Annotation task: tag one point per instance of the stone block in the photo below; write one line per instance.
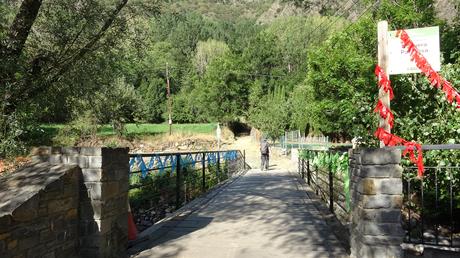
(95, 162)
(12, 244)
(104, 225)
(71, 214)
(83, 162)
(39, 159)
(2, 246)
(380, 201)
(55, 159)
(70, 150)
(47, 236)
(72, 159)
(90, 151)
(380, 156)
(89, 252)
(28, 243)
(372, 251)
(4, 236)
(372, 186)
(123, 187)
(103, 190)
(97, 209)
(380, 229)
(92, 174)
(393, 170)
(380, 215)
(396, 201)
(58, 224)
(115, 173)
(92, 241)
(27, 211)
(110, 190)
(61, 205)
(94, 190)
(68, 252)
(5, 222)
(41, 151)
(88, 227)
(390, 186)
(382, 240)
(376, 201)
(87, 211)
(43, 211)
(367, 186)
(71, 191)
(56, 150)
(49, 255)
(122, 222)
(55, 187)
(36, 252)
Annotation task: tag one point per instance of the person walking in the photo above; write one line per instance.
(264, 152)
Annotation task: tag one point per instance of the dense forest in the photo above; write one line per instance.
(275, 65)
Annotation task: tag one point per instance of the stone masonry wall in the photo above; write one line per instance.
(103, 204)
(39, 212)
(376, 200)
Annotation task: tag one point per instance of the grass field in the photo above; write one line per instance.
(152, 129)
(141, 129)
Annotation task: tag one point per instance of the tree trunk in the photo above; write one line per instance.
(20, 29)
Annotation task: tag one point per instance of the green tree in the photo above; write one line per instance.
(206, 52)
(223, 91)
(272, 115)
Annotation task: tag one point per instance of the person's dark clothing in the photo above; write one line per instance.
(264, 151)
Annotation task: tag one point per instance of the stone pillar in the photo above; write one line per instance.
(103, 209)
(376, 200)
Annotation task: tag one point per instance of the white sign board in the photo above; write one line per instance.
(427, 42)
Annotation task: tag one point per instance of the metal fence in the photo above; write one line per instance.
(294, 139)
(431, 204)
(326, 172)
(163, 182)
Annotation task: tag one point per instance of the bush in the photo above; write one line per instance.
(11, 128)
(83, 127)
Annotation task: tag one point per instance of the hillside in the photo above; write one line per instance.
(265, 11)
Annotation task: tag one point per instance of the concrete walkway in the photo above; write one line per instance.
(261, 214)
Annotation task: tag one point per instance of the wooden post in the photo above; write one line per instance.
(169, 99)
(382, 30)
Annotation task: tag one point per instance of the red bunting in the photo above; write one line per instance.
(384, 112)
(384, 82)
(410, 147)
(435, 79)
(390, 139)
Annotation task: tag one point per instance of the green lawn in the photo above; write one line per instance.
(142, 129)
(153, 129)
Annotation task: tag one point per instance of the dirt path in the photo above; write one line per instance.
(277, 160)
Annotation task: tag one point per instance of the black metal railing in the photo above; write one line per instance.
(163, 182)
(431, 204)
(326, 172)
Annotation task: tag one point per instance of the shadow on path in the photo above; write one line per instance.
(262, 214)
